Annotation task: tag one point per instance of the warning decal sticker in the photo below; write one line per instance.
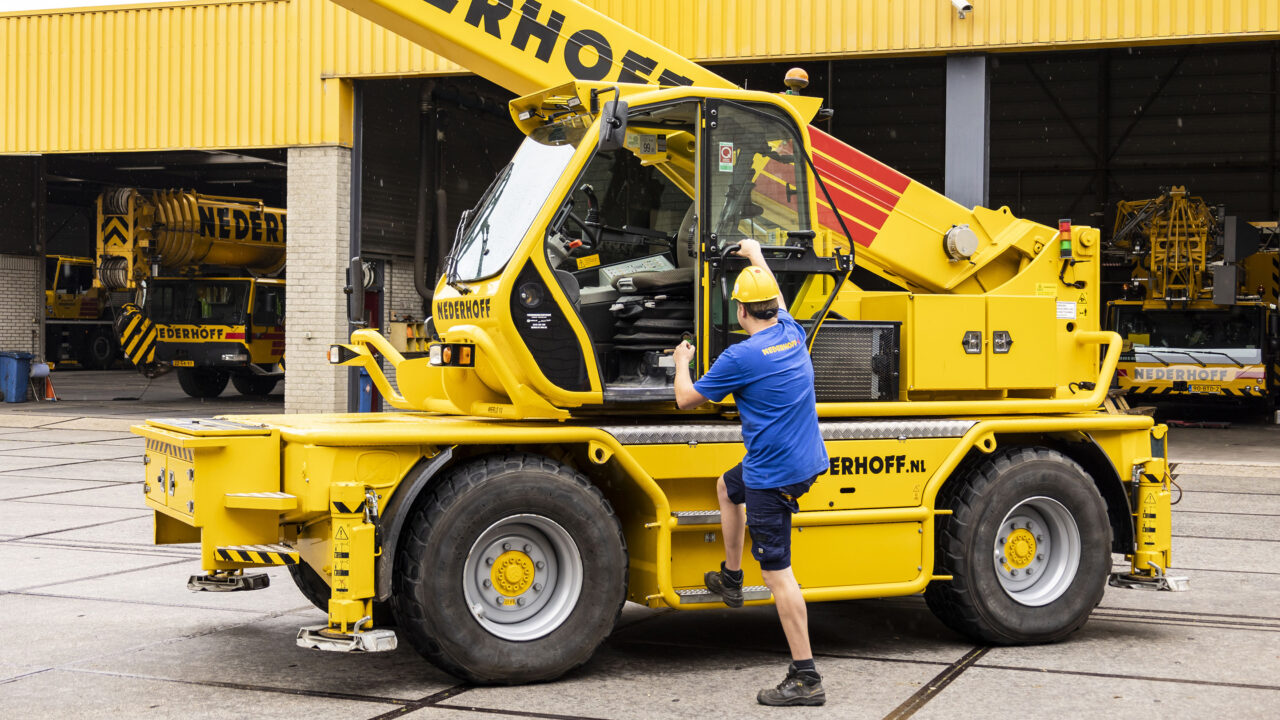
(726, 157)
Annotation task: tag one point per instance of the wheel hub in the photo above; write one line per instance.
(1020, 548)
(1037, 551)
(512, 573)
(522, 577)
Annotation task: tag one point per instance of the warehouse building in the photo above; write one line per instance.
(1055, 108)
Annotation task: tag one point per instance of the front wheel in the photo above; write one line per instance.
(254, 385)
(203, 382)
(1028, 545)
(514, 570)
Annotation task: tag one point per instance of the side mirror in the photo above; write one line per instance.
(613, 126)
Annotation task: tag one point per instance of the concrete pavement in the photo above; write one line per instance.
(100, 623)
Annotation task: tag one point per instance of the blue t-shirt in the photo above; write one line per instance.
(771, 379)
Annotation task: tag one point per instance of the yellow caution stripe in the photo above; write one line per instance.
(137, 336)
(171, 450)
(258, 554)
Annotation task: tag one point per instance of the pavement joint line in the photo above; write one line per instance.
(138, 549)
(771, 651)
(1125, 676)
(1227, 624)
(71, 529)
(1231, 492)
(930, 690)
(1140, 620)
(1221, 570)
(516, 713)
(100, 575)
(431, 700)
(146, 603)
(1202, 614)
(21, 498)
(1212, 512)
(16, 678)
(54, 465)
(244, 686)
(75, 504)
(1235, 539)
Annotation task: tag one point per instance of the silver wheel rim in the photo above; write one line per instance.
(1037, 551)
(522, 577)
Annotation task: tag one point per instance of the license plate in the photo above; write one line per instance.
(1206, 388)
(184, 363)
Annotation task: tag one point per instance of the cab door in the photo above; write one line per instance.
(755, 184)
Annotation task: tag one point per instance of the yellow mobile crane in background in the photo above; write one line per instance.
(1198, 313)
(77, 314)
(206, 301)
(539, 474)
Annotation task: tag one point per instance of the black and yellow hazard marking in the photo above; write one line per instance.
(258, 554)
(342, 509)
(114, 229)
(170, 449)
(137, 336)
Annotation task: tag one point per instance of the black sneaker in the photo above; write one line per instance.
(721, 584)
(800, 687)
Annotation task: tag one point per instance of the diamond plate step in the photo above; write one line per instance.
(276, 501)
(697, 517)
(697, 596)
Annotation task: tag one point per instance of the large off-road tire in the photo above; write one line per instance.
(316, 591)
(247, 384)
(513, 570)
(100, 349)
(311, 585)
(203, 382)
(1028, 545)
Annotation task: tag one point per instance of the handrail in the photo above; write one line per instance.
(366, 360)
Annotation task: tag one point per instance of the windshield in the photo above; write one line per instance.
(1207, 335)
(507, 209)
(198, 302)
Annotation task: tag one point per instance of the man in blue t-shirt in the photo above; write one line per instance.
(771, 379)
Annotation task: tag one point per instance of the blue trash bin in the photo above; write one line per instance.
(15, 372)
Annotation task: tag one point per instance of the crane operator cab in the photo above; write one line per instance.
(640, 231)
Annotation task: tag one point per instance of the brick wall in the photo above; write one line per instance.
(319, 202)
(399, 297)
(22, 298)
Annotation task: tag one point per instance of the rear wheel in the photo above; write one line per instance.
(99, 350)
(203, 382)
(316, 591)
(513, 570)
(247, 384)
(1028, 545)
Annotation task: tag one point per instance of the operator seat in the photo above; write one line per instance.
(654, 310)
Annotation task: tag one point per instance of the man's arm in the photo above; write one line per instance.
(750, 249)
(686, 397)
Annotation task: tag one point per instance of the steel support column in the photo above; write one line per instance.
(355, 268)
(968, 134)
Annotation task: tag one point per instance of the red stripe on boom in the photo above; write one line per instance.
(854, 206)
(862, 234)
(838, 176)
(859, 161)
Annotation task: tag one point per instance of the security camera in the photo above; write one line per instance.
(962, 7)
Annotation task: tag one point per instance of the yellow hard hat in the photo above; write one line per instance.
(755, 285)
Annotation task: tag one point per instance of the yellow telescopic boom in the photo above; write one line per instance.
(895, 223)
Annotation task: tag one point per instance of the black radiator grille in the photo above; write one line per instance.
(855, 360)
